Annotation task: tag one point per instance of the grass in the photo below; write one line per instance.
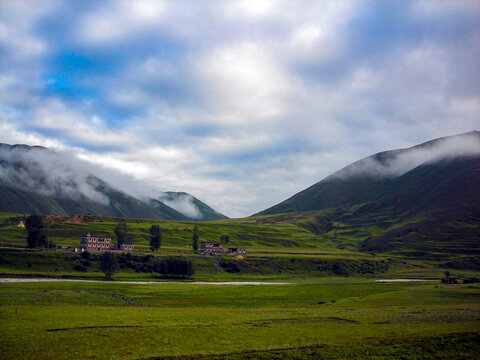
(332, 318)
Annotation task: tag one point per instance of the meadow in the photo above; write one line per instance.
(330, 318)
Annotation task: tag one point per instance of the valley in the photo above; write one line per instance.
(357, 266)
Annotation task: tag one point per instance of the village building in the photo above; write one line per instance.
(210, 248)
(124, 247)
(237, 252)
(94, 243)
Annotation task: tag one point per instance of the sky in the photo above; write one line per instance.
(239, 103)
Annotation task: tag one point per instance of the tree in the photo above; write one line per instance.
(155, 237)
(225, 239)
(108, 264)
(121, 233)
(195, 239)
(36, 232)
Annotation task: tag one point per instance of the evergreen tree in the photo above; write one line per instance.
(195, 239)
(155, 237)
(108, 264)
(36, 232)
(121, 233)
(225, 239)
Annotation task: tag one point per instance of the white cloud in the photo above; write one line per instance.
(254, 8)
(120, 19)
(243, 83)
(54, 115)
(16, 29)
(11, 135)
(435, 10)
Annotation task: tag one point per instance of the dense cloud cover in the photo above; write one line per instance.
(240, 103)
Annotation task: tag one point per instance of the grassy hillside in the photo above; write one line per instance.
(281, 246)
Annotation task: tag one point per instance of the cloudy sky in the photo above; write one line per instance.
(240, 103)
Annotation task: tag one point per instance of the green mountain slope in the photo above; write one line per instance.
(429, 207)
(370, 179)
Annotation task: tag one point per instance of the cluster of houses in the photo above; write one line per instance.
(211, 248)
(95, 243)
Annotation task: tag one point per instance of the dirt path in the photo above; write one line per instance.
(403, 280)
(18, 280)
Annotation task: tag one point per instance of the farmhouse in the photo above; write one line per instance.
(237, 252)
(93, 243)
(124, 247)
(210, 248)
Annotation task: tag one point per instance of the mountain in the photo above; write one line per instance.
(387, 175)
(34, 179)
(189, 205)
(426, 197)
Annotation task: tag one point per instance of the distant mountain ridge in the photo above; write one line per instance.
(35, 179)
(189, 205)
(377, 175)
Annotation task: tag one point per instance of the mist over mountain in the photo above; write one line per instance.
(34, 179)
(190, 206)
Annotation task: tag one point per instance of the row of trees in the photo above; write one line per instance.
(172, 266)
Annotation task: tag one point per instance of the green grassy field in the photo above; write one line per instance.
(331, 318)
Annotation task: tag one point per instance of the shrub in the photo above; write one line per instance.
(449, 280)
(229, 266)
(339, 269)
(131, 265)
(144, 268)
(174, 266)
(86, 255)
(80, 267)
(86, 263)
